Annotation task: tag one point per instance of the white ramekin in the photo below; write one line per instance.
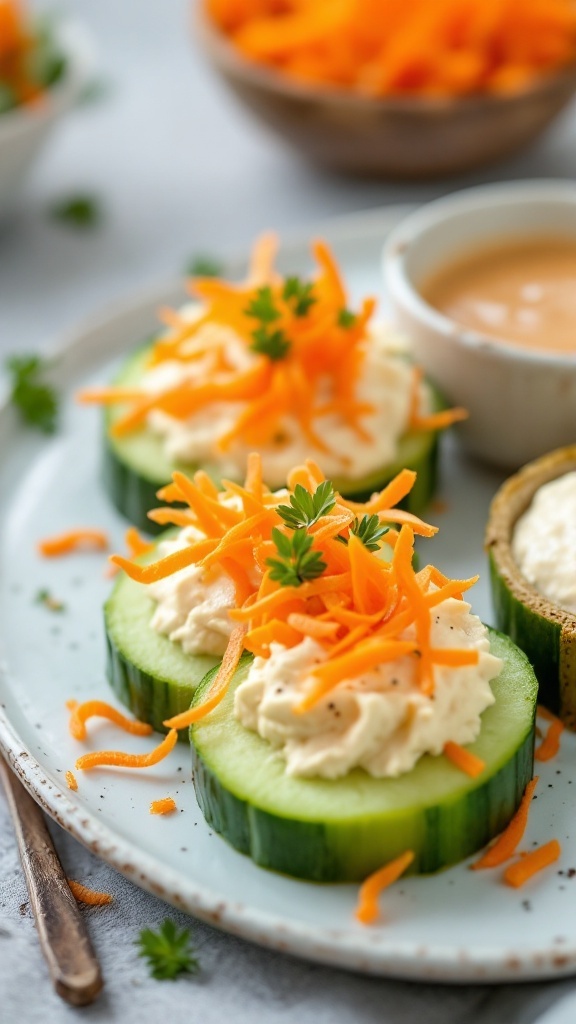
(522, 402)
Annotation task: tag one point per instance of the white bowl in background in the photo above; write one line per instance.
(24, 130)
(522, 402)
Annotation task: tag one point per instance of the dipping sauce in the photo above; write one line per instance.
(522, 291)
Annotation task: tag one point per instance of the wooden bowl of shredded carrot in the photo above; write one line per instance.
(409, 88)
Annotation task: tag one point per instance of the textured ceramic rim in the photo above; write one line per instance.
(375, 952)
(407, 235)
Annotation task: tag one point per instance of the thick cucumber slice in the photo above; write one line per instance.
(135, 466)
(544, 631)
(330, 831)
(149, 673)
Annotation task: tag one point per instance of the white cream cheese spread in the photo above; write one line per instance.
(380, 721)
(544, 542)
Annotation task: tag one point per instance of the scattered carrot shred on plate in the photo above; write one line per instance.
(531, 863)
(550, 745)
(119, 759)
(367, 908)
(464, 759)
(82, 894)
(80, 713)
(71, 781)
(505, 845)
(165, 806)
(72, 540)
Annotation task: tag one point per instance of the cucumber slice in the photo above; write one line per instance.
(544, 631)
(135, 466)
(147, 671)
(336, 831)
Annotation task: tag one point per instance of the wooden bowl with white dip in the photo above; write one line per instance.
(484, 283)
(531, 543)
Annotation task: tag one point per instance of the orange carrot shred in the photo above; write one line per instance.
(464, 759)
(71, 781)
(550, 745)
(167, 805)
(505, 845)
(71, 540)
(367, 908)
(82, 894)
(219, 686)
(99, 708)
(118, 759)
(529, 865)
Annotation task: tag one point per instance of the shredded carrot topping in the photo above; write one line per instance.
(71, 781)
(464, 759)
(219, 686)
(505, 845)
(118, 759)
(136, 545)
(367, 909)
(82, 894)
(417, 48)
(165, 806)
(531, 863)
(80, 713)
(72, 540)
(550, 745)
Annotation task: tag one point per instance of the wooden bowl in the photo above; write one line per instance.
(398, 137)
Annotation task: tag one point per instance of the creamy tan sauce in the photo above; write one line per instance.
(522, 291)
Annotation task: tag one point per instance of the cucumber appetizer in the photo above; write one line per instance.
(281, 365)
(167, 620)
(531, 544)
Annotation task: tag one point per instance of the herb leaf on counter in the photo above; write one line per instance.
(80, 211)
(298, 563)
(204, 266)
(168, 952)
(53, 604)
(36, 401)
(305, 508)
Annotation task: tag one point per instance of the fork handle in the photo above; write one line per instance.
(63, 936)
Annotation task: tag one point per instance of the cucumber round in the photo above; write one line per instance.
(544, 631)
(135, 466)
(342, 830)
(147, 671)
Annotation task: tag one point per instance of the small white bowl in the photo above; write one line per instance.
(24, 130)
(522, 402)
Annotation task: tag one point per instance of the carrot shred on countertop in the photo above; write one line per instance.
(118, 759)
(550, 745)
(464, 759)
(82, 894)
(167, 805)
(71, 781)
(367, 909)
(505, 845)
(81, 713)
(72, 540)
(531, 863)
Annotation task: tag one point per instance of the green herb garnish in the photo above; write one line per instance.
(51, 603)
(35, 400)
(263, 307)
(368, 530)
(267, 341)
(297, 563)
(96, 90)
(273, 344)
(299, 296)
(80, 211)
(168, 951)
(204, 266)
(305, 508)
(346, 319)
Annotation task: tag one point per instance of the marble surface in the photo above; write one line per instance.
(180, 169)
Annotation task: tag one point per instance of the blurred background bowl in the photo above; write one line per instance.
(400, 137)
(24, 130)
(521, 401)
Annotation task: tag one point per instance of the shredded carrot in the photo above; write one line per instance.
(136, 545)
(118, 759)
(367, 909)
(531, 863)
(505, 846)
(71, 781)
(219, 686)
(464, 759)
(71, 540)
(82, 894)
(165, 806)
(81, 713)
(550, 745)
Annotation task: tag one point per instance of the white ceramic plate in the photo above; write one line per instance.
(456, 926)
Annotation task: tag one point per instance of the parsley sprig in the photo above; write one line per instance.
(203, 265)
(305, 508)
(35, 400)
(346, 319)
(53, 604)
(169, 951)
(297, 563)
(269, 341)
(299, 295)
(368, 530)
